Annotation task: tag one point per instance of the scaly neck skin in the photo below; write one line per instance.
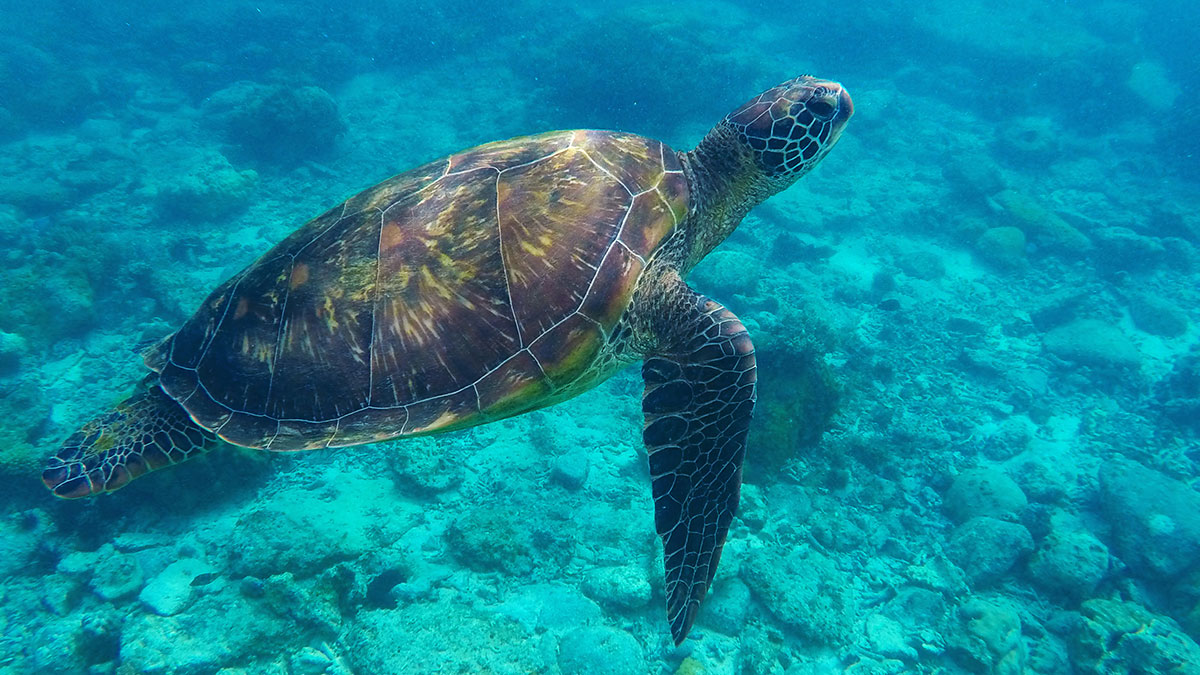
(724, 185)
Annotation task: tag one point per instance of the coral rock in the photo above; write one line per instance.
(987, 548)
(984, 492)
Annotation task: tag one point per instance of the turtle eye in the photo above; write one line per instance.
(820, 108)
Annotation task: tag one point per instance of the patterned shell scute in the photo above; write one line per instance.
(472, 288)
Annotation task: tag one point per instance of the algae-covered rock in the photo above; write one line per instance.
(187, 644)
(624, 587)
(115, 575)
(13, 348)
(1155, 519)
(1114, 636)
(301, 533)
(550, 607)
(938, 573)
(916, 607)
(728, 606)
(491, 539)
(99, 637)
(1178, 394)
(1091, 342)
(20, 538)
(973, 175)
(1047, 229)
(984, 492)
(600, 650)
(1069, 562)
(421, 465)
(45, 308)
(1048, 474)
(889, 638)
(1031, 139)
(730, 271)
(310, 605)
(1157, 316)
(570, 470)
(922, 263)
(805, 590)
(1120, 248)
(1060, 308)
(988, 637)
(1003, 247)
(311, 661)
(987, 548)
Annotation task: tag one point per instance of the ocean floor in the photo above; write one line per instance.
(978, 436)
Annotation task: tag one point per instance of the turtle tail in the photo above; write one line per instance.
(146, 431)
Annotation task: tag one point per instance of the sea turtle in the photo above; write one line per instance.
(493, 282)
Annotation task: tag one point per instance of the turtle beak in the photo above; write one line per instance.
(845, 106)
(839, 98)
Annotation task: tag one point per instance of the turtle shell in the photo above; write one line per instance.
(472, 288)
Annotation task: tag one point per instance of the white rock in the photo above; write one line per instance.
(172, 591)
(886, 637)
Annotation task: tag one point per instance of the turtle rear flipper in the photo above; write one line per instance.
(146, 431)
(700, 392)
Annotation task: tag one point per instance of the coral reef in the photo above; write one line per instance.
(212, 190)
(276, 124)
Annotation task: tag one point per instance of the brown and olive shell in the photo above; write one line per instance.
(472, 288)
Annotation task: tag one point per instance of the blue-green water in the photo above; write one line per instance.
(976, 442)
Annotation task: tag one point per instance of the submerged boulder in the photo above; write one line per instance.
(1003, 247)
(600, 650)
(805, 590)
(1069, 563)
(1091, 342)
(985, 492)
(1155, 519)
(986, 548)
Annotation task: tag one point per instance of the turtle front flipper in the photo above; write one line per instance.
(146, 431)
(700, 391)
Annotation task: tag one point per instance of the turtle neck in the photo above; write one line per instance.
(724, 185)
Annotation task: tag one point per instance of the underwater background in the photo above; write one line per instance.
(977, 443)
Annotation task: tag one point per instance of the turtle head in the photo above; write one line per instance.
(758, 150)
(791, 127)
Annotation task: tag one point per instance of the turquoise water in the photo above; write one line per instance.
(975, 448)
